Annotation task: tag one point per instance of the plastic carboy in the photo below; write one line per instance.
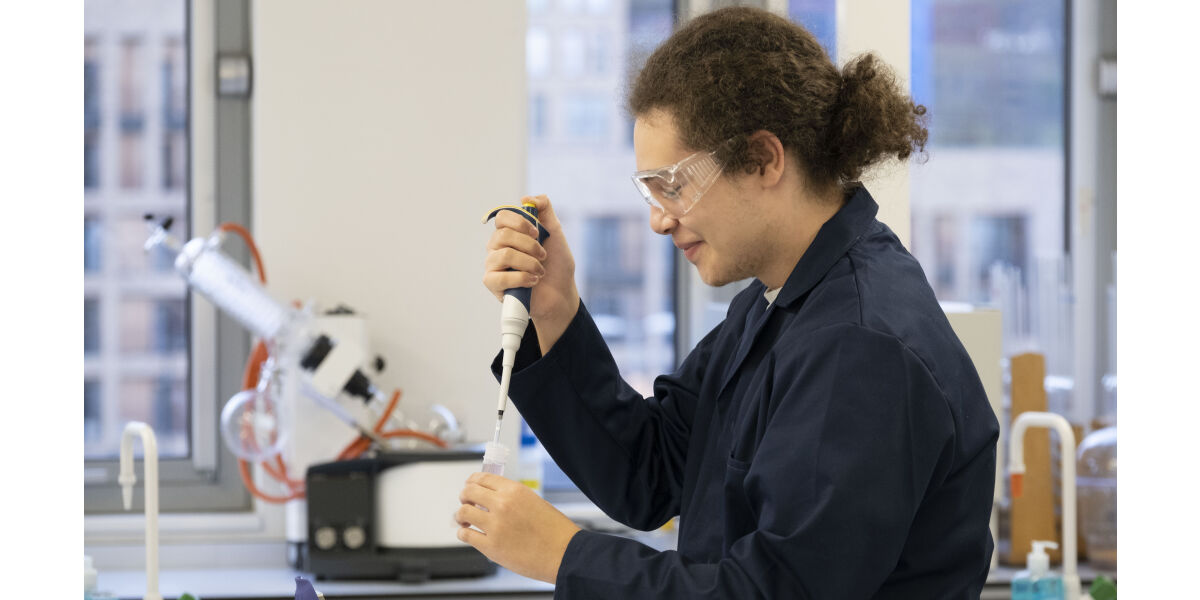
(1097, 485)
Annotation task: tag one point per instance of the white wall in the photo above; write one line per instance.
(882, 27)
(383, 131)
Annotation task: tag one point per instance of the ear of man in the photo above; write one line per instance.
(767, 157)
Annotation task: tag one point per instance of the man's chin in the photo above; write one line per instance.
(714, 276)
(715, 279)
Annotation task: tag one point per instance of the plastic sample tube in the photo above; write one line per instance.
(494, 456)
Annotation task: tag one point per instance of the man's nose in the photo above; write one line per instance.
(661, 222)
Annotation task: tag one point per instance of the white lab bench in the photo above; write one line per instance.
(280, 584)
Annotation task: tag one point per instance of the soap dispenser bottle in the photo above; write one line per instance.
(1037, 581)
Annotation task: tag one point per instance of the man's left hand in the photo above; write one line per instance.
(520, 531)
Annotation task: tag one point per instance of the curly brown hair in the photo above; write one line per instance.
(738, 70)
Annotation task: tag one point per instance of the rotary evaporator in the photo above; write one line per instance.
(374, 509)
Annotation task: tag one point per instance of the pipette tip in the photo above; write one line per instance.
(496, 435)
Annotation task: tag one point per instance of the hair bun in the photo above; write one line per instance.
(874, 118)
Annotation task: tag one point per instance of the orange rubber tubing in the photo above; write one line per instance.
(250, 376)
(413, 433)
(250, 380)
(357, 447)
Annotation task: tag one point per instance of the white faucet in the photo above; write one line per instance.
(127, 478)
(1016, 468)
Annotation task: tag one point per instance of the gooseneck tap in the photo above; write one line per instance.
(1016, 469)
(127, 479)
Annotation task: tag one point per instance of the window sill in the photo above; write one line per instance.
(175, 527)
(190, 540)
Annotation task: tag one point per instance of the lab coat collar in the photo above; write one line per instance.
(832, 241)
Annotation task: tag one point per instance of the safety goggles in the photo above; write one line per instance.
(677, 188)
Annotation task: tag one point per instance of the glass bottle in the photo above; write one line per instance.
(1097, 489)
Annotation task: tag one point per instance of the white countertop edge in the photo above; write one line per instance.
(211, 584)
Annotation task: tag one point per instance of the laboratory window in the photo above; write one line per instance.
(153, 326)
(581, 155)
(131, 157)
(138, 336)
(128, 235)
(537, 52)
(945, 243)
(538, 116)
(597, 52)
(648, 25)
(990, 211)
(571, 6)
(161, 402)
(93, 240)
(589, 117)
(599, 7)
(989, 207)
(174, 117)
(131, 83)
(91, 326)
(135, 305)
(91, 114)
(174, 159)
(91, 159)
(131, 115)
(91, 410)
(992, 78)
(572, 52)
(1002, 239)
(614, 286)
(819, 17)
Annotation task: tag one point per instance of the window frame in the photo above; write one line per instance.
(1090, 202)
(218, 190)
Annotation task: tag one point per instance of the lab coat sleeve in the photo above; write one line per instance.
(819, 496)
(625, 452)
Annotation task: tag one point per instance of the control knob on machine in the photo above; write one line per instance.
(354, 537)
(325, 537)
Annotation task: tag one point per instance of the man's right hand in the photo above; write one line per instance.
(549, 269)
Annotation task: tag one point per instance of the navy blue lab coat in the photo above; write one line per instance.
(834, 444)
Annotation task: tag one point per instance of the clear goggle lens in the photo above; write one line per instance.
(677, 188)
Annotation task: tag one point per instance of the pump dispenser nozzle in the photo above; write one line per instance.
(1037, 561)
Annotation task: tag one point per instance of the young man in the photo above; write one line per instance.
(830, 438)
